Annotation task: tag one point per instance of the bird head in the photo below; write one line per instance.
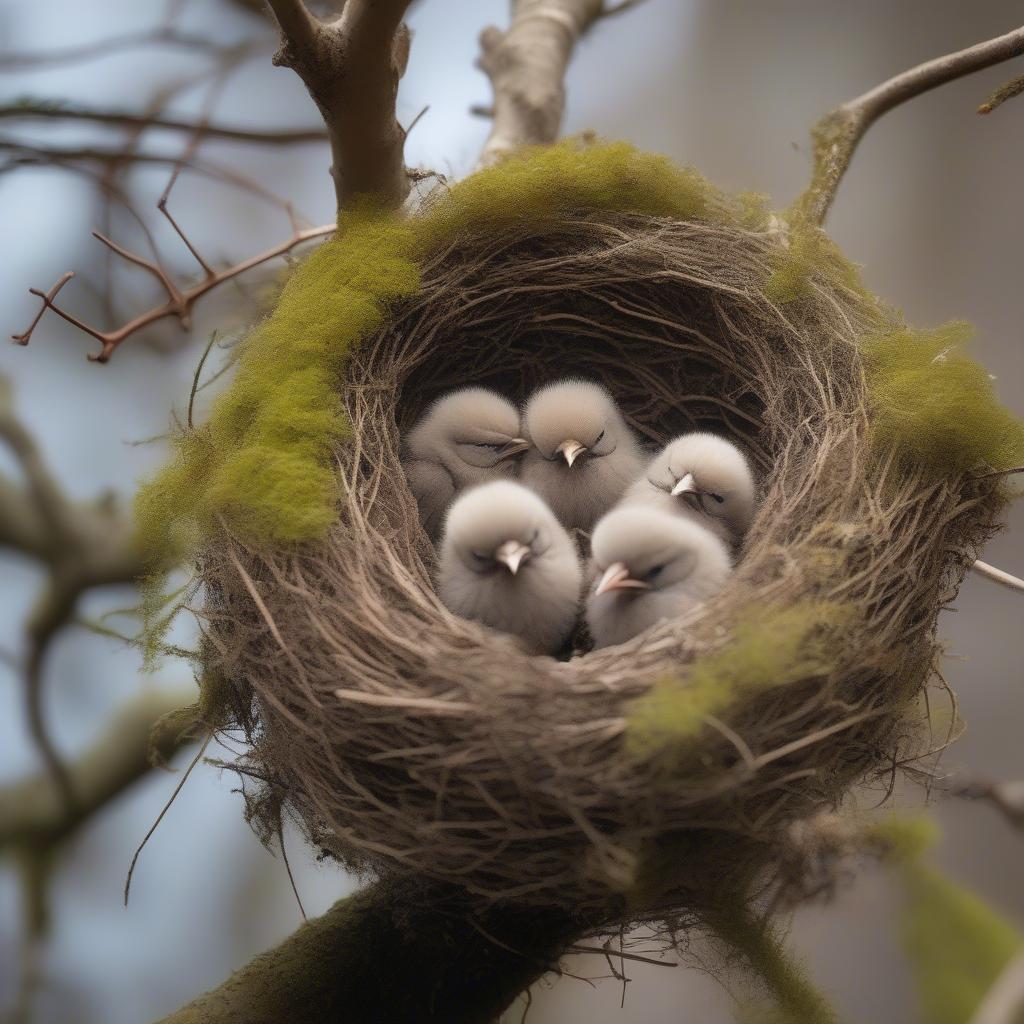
(637, 550)
(572, 421)
(710, 474)
(473, 426)
(499, 527)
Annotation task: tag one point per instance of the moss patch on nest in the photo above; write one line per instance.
(774, 646)
(934, 405)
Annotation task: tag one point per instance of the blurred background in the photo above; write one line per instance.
(932, 208)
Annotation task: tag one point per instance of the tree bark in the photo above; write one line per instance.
(393, 953)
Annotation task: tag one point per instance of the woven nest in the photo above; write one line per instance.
(407, 741)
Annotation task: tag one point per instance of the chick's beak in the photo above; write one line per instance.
(571, 450)
(616, 577)
(687, 485)
(516, 446)
(512, 554)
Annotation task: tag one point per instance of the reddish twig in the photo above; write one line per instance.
(179, 302)
(838, 133)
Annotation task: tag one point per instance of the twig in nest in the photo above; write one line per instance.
(997, 575)
(838, 133)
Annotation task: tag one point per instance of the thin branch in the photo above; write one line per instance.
(163, 36)
(35, 110)
(1004, 1001)
(178, 306)
(1006, 797)
(1002, 94)
(998, 575)
(837, 134)
(526, 65)
(351, 67)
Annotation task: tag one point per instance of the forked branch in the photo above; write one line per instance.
(838, 133)
(180, 301)
(526, 65)
(351, 67)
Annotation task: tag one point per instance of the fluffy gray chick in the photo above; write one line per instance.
(466, 438)
(582, 455)
(701, 477)
(506, 562)
(650, 566)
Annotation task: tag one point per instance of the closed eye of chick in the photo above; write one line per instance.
(582, 454)
(506, 562)
(466, 438)
(650, 566)
(701, 477)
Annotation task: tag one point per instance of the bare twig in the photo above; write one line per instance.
(351, 67)
(1004, 1001)
(31, 110)
(998, 575)
(837, 134)
(163, 36)
(526, 65)
(1002, 94)
(179, 302)
(1005, 797)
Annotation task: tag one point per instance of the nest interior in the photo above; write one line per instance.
(636, 780)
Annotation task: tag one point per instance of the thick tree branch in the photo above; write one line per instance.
(32, 812)
(526, 65)
(405, 953)
(837, 134)
(351, 67)
(31, 110)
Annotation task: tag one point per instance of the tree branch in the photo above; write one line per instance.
(179, 302)
(38, 110)
(32, 812)
(1004, 1002)
(82, 545)
(527, 65)
(351, 67)
(401, 952)
(838, 133)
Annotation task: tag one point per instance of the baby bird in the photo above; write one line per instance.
(466, 438)
(701, 477)
(506, 562)
(651, 566)
(582, 455)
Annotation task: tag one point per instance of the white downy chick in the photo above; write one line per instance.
(582, 454)
(508, 563)
(701, 477)
(466, 438)
(650, 566)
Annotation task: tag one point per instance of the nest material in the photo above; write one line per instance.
(409, 741)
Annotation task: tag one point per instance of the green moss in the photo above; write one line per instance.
(773, 646)
(261, 463)
(262, 460)
(903, 838)
(957, 945)
(808, 252)
(934, 406)
(795, 999)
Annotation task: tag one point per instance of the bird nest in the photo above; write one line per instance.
(640, 778)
